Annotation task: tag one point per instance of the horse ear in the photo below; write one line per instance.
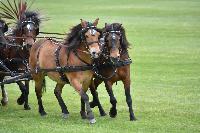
(96, 22)
(120, 27)
(107, 25)
(83, 23)
(5, 27)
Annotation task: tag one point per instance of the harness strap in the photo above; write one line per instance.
(75, 52)
(62, 75)
(2, 65)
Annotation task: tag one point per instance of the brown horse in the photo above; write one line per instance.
(117, 68)
(79, 49)
(15, 51)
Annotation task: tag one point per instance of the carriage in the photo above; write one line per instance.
(86, 53)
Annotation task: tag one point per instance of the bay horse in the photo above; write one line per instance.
(80, 48)
(23, 36)
(115, 48)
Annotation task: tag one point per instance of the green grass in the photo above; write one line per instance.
(165, 37)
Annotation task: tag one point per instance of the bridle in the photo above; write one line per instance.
(114, 34)
(27, 24)
(106, 53)
(93, 31)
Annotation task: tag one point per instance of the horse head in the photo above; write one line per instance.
(112, 37)
(90, 35)
(28, 28)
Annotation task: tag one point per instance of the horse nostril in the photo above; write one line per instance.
(93, 53)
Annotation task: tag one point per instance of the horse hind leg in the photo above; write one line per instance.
(4, 100)
(39, 84)
(113, 101)
(58, 92)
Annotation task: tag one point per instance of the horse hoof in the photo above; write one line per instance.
(93, 104)
(113, 113)
(4, 103)
(133, 118)
(27, 107)
(20, 101)
(65, 116)
(43, 114)
(103, 113)
(92, 121)
(83, 115)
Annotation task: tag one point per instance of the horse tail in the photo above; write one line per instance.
(44, 85)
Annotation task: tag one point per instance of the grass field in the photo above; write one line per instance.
(165, 38)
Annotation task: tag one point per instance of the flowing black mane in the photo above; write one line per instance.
(73, 38)
(118, 27)
(34, 15)
(3, 25)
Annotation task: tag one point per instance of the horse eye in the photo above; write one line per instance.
(86, 36)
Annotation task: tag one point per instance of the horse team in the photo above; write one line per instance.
(87, 57)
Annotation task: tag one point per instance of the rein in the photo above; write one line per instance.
(51, 33)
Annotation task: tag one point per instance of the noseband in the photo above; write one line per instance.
(114, 34)
(93, 31)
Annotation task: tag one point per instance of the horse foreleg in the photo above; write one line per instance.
(78, 87)
(26, 105)
(96, 102)
(4, 100)
(58, 92)
(129, 99)
(24, 96)
(82, 112)
(22, 87)
(90, 114)
(113, 101)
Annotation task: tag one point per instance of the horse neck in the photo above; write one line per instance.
(18, 40)
(83, 53)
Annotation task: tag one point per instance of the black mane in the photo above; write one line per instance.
(28, 15)
(118, 27)
(34, 15)
(75, 36)
(3, 25)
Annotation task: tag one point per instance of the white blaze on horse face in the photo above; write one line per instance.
(94, 47)
(113, 36)
(92, 32)
(28, 26)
